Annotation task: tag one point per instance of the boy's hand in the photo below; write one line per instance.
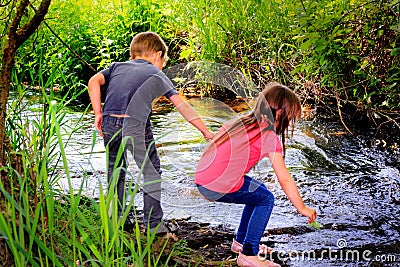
(309, 212)
(208, 135)
(97, 123)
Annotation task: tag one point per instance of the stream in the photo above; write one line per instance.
(355, 186)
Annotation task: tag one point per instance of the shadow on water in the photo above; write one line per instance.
(354, 186)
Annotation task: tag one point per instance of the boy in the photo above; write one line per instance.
(130, 87)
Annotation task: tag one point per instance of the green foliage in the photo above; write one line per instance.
(348, 45)
(98, 32)
(345, 49)
(244, 34)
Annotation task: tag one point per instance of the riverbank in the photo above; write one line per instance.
(201, 244)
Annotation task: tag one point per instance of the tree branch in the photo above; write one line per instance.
(340, 112)
(30, 27)
(69, 48)
(18, 16)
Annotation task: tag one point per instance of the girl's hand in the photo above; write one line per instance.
(309, 212)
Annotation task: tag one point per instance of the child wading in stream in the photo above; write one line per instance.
(130, 88)
(237, 147)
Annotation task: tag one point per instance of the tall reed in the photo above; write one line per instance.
(44, 226)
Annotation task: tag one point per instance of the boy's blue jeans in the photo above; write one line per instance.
(258, 203)
(145, 156)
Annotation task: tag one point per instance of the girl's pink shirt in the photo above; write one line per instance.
(222, 169)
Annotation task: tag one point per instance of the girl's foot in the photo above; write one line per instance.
(237, 247)
(254, 261)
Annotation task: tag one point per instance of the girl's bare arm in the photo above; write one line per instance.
(289, 186)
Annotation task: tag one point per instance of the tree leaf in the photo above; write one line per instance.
(315, 224)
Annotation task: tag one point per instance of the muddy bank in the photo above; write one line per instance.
(201, 244)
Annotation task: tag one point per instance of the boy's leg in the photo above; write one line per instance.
(146, 158)
(153, 212)
(110, 127)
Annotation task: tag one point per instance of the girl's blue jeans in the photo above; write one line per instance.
(258, 203)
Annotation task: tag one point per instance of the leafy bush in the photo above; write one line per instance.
(345, 47)
(352, 48)
(80, 38)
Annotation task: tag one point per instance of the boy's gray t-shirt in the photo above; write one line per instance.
(132, 86)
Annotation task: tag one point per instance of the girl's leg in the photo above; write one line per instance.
(244, 222)
(258, 201)
(257, 223)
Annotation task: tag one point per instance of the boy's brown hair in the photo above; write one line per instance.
(145, 42)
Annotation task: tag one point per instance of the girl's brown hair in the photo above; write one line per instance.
(145, 42)
(277, 105)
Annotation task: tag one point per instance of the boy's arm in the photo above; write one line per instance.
(289, 186)
(95, 98)
(191, 115)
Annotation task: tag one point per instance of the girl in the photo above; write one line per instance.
(238, 146)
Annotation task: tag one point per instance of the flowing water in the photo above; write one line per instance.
(354, 186)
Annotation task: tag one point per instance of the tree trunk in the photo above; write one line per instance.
(17, 35)
(5, 80)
